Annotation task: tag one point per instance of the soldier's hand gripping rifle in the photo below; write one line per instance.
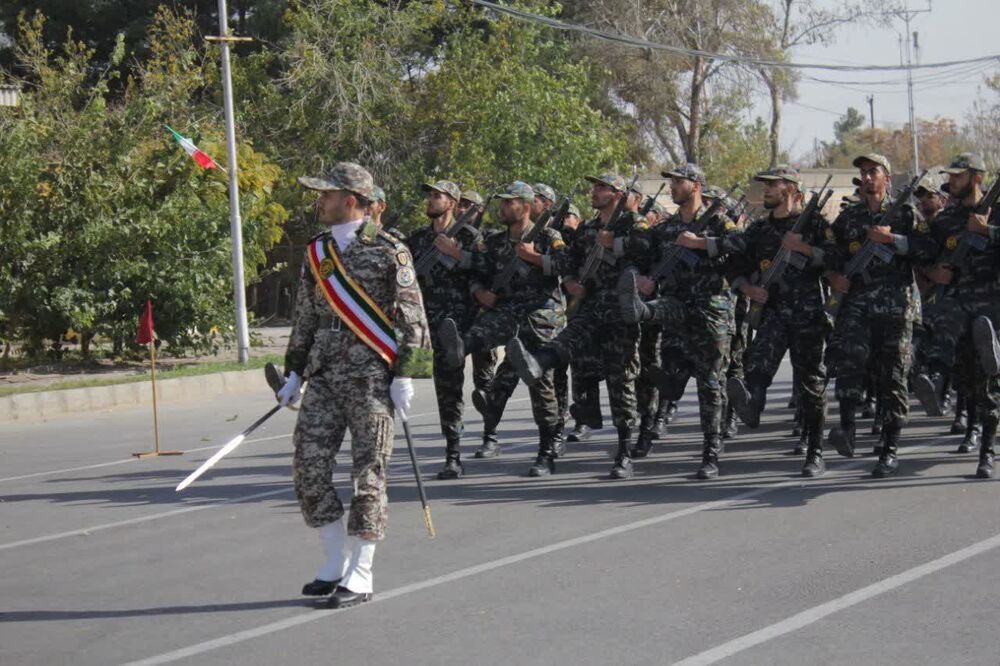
(433, 256)
(676, 255)
(785, 257)
(516, 265)
(969, 240)
(619, 224)
(871, 250)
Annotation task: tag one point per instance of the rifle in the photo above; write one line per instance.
(969, 240)
(432, 256)
(651, 201)
(776, 271)
(618, 224)
(675, 254)
(858, 265)
(518, 266)
(396, 218)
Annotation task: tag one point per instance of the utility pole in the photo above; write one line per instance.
(235, 223)
(871, 110)
(908, 15)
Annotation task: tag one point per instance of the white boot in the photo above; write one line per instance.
(338, 555)
(358, 576)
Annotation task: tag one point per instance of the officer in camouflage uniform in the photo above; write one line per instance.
(598, 319)
(877, 314)
(696, 303)
(970, 303)
(793, 318)
(352, 386)
(446, 294)
(484, 363)
(528, 306)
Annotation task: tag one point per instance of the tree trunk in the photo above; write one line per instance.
(774, 136)
(694, 115)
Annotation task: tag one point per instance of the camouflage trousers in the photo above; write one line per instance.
(801, 328)
(585, 386)
(740, 341)
(697, 338)
(330, 408)
(449, 382)
(484, 367)
(597, 327)
(951, 327)
(649, 356)
(873, 326)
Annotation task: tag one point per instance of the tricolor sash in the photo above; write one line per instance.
(350, 302)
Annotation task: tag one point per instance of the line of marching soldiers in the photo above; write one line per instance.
(898, 293)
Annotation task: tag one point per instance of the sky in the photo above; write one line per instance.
(953, 30)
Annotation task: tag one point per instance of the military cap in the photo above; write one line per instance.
(781, 172)
(965, 162)
(342, 176)
(712, 192)
(657, 207)
(444, 187)
(933, 183)
(573, 210)
(612, 180)
(687, 171)
(544, 191)
(518, 190)
(473, 196)
(378, 194)
(880, 160)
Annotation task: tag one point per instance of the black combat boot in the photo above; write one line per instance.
(643, 445)
(660, 422)
(960, 423)
(879, 419)
(802, 445)
(634, 309)
(868, 409)
(584, 427)
(710, 458)
(530, 367)
(987, 347)
(747, 399)
(985, 468)
(558, 443)
(973, 430)
(452, 462)
(843, 437)
(888, 462)
(319, 588)
(452, 343)
(671, 412)
(490, 447)
(814, 466)
(928, 390)
(730, 428)
(622, 468)
(545, 463)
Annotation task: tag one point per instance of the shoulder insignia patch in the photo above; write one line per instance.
(368, 231)
(854, 247)
(951, 243)
(828, 234)
(923, 228)
(730, 226)
(643, 225)
(405, 277)
(558, 244)
(403, 258)
(765, 264)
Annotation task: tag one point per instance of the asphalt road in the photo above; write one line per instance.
(101, 562)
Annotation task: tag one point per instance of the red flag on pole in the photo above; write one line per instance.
(145, 333)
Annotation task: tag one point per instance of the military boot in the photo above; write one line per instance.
(709, 458)
(452, 462)
(985, 468)
(530, 367)
(888, 462)
(660, 421)
(802, 445)
(960, 423)
(746, 401)
(730, 428)
(879, 419)
(622, 468)
(973, 430)
(928, 390)
(868, 409)
(987, 347)
(452, 343)
(843, 437)
(558, 443)
(671, 412)
(545, 463)
(633, 308)
(815, 466)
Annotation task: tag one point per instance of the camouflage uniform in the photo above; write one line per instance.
(876, 317)
(348, 385)
(446, 294)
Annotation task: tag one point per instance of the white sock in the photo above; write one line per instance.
(334, 538)
(358, 577)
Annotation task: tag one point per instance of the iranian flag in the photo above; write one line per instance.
(196, 153)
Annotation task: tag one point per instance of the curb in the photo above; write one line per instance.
(28, 407)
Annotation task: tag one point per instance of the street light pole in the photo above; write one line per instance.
(235, 223)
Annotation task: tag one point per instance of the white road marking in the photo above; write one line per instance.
(816, 613)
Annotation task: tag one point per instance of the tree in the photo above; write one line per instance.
(983, 123)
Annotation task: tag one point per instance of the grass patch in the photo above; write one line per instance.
(187, 370)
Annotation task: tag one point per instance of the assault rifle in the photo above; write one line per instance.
(651, 201)
(619, 224)
(432, 256)
(970, 240)
(860, 262)
(785, 257)
(518, 266)
(675, 255)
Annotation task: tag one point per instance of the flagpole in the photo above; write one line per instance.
(152, 376)
(235, 224)
(147, 332)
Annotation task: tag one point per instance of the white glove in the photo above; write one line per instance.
(401, 392)
(291, 391)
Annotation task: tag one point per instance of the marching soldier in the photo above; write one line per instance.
(358, 337)
(876, 318)
(970, 305)
(793, 318)
(446, 294)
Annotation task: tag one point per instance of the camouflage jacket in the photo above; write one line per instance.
(628, 249)
(446, 291)
(753, 249)
(848, 234)
(320, 342)
(980, 267)
(708, 276)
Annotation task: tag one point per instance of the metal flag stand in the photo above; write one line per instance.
(156, 423)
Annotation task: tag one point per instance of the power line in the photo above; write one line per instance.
(725, 57)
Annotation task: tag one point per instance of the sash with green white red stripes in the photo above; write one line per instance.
(349, 301)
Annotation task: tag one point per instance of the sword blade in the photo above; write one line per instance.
(225, 450)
